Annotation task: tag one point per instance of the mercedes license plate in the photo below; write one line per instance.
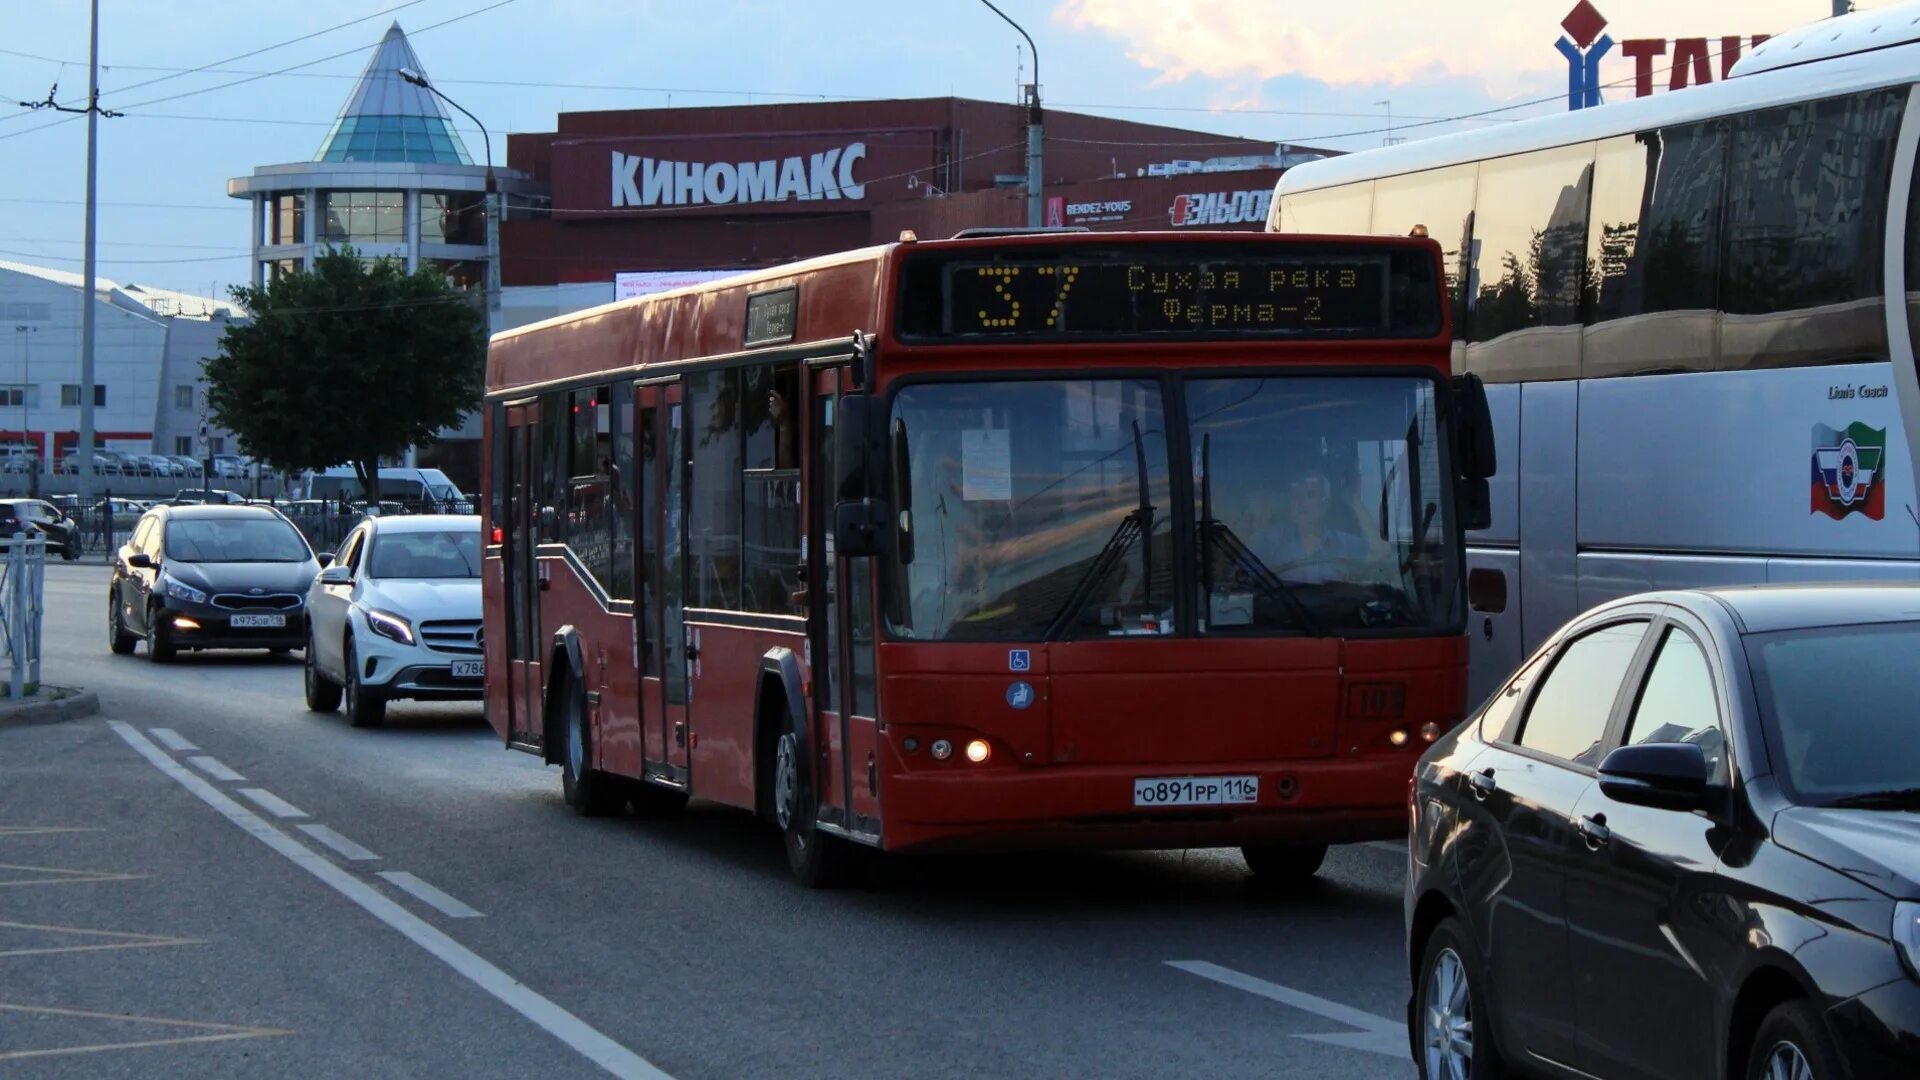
(469, 669)
(276, 621)
(1196, 790)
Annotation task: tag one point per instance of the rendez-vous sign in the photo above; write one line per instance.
(645, 181)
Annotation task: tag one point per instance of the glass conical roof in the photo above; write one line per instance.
(387, 118)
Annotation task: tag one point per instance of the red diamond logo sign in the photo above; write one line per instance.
(1583, 23)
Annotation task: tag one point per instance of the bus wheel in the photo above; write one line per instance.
(818, 861)
(589, 791)
(1283, 864)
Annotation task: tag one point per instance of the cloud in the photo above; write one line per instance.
(1506, 47)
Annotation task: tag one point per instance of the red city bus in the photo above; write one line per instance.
(1010, 540)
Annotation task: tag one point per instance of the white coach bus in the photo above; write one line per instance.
(1694, 316)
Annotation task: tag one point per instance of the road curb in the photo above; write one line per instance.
(80, 703)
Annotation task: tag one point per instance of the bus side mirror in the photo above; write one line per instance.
(852, 447)
(1475, 504)
(1472, 429)
(860, 528)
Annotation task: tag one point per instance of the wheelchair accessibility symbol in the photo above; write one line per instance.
(1019, 660)
(1020, 695)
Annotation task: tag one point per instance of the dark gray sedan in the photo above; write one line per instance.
(1682, 841)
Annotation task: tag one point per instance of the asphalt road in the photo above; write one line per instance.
(191, 885)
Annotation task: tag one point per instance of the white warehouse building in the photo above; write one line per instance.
(149, 345)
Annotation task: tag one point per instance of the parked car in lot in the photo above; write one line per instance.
(39, 517)
(195, 496)
(1680, 842)
(186, 466)
(397, 615)
(210, 577)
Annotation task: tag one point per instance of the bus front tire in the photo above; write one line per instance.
(589, 791)
(818, 861)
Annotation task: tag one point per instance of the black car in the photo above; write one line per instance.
(39, 517)
(210, 577)
(1681, 842)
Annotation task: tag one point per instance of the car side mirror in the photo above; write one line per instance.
(337, 575)
(140, 560)
(1668, 776)
(325, 558)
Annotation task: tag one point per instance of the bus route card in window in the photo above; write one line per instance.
(1196, 791)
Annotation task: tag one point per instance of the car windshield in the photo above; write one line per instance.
(234, 539)
(1043, 509)
(446, 553)
(1839, 706)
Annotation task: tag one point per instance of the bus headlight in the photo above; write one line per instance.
(941, 749)
(978, 751)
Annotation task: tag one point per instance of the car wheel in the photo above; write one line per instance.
(1793, 1044)
(1454, 1037)
(817, 861)
(118, 639)
(589, 791)
(323, 694)
(160, 648)
(365, 708)
(1283, 864)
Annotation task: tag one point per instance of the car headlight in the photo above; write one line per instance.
(1906, 934)
(180, 590)
(392, 627)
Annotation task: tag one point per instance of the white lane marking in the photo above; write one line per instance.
(347, 848)
(213, 768)
(556, 1021)
(1377, 1034)
(271, 803)
(171, 740)
(429, 895)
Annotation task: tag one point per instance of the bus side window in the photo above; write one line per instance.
(770, 549)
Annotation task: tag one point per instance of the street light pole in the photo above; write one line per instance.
(26, 406)
(491, 198)
(1036, 130)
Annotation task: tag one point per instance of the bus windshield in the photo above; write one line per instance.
(1044, 509)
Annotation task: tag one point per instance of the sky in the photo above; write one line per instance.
(1334, 75)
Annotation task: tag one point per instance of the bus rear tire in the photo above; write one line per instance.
(589, 791)
(817, 861)
(1283, 864)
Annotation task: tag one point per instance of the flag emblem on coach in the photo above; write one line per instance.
(1846, 471)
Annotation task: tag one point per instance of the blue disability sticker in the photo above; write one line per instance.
(1020, 695)
(1019, 660)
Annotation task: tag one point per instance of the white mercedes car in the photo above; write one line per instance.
(396, 614)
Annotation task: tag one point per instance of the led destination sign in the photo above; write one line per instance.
(1139, 291)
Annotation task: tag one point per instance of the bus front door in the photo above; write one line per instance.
(522, 567)
(842, 618)
(660, 621)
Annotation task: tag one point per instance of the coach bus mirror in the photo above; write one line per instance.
(1476, 504)
(1472, 429)
(859, 528)
(851, 449)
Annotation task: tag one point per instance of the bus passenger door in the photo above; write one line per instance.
(522, 567)
(661, 657)
(842, 621)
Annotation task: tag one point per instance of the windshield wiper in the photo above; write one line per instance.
(1138, 522)
(1238, 553)
(1890, 799)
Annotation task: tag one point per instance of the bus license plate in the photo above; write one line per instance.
(1196, 790)
(469, 669)
(275, 621)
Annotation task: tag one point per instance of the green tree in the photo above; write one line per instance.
(347, 362)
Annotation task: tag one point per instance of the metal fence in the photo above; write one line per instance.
(23, 579)
(104, 531)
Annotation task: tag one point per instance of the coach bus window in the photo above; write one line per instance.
(1655, 247)
(1035, 508)
(1318, 506)
(770, 544)
(713, 503)
(1806, 221)
(1441, 200)
(1342, 210)
(1530, 239)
